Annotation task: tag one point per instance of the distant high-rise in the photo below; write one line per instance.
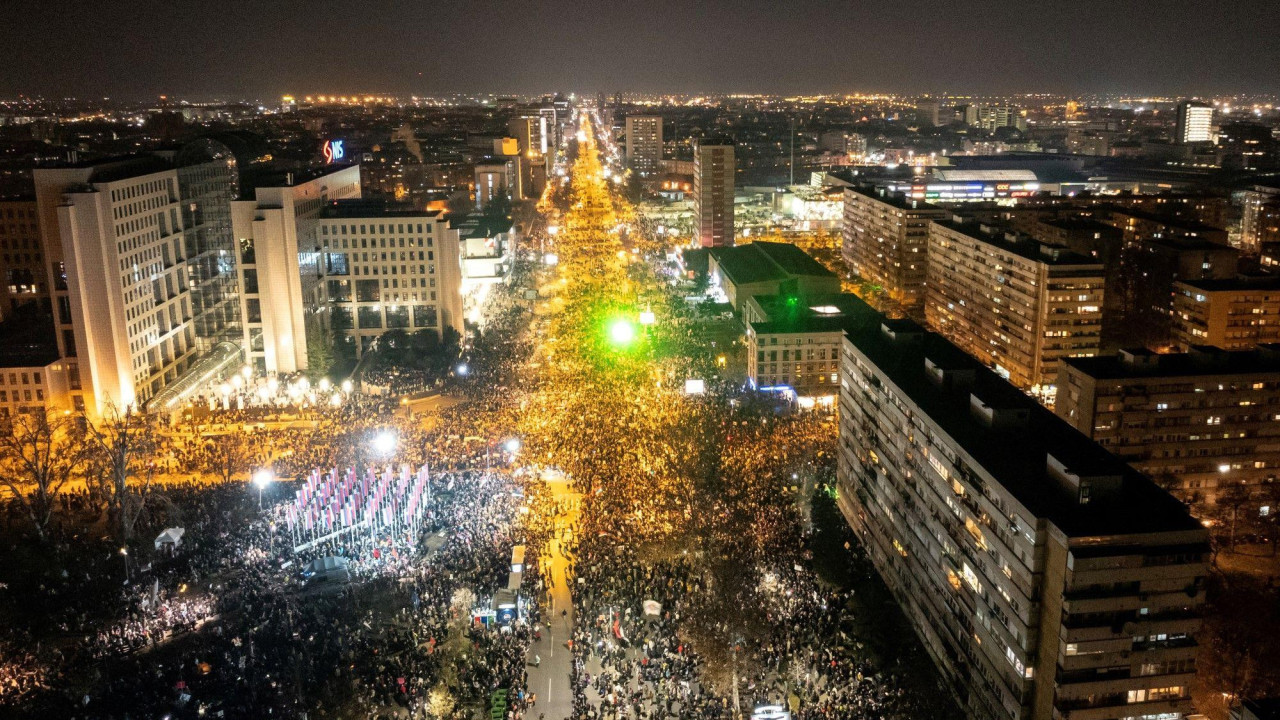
(713, 170)
(927, 113)
(644, 143)
(1259, 218)
(1195, 121)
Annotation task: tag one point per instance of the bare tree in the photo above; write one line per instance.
(38, 456)
(228, 455)
(121, 445)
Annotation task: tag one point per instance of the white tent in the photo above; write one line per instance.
(170, 539)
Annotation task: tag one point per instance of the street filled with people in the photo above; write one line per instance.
(695, 537)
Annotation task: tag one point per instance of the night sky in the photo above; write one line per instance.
(265, 48)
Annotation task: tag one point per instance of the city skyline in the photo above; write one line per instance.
(263, 51)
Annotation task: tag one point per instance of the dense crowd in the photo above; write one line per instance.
(684, 545)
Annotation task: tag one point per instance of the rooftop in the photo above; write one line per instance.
(476, 225)
(1199, 361)
(1023, 245)
(271, 176)
(1175, 222)
(985, 175)
(1239, 283)
(898, 200)
(807, 314)
(765, 261)
(361, 208)
(1017, 455)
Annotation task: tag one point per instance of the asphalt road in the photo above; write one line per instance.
(550, 678)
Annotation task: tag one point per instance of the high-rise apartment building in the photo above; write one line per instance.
(1016, 304)
(713, 187)
(886, 240)
(1047, 579)
(1230, 313)
(1259, 218)
(1199, 423)
(1194, 123)
(644, 143)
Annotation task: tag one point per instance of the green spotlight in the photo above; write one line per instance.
(621, 332)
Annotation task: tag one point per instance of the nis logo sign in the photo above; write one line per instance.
(334, 150)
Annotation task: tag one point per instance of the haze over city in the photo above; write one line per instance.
(257, 50)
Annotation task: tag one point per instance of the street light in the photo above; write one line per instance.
(512, 446)
(462, 370)
(261, 479)
(384, 443)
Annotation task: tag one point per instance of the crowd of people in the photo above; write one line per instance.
(681, 541)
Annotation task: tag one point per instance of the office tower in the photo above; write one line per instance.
(644, 143)
(1015, 304)
(1047, 579)
(1234, 313)
(1194, 123)
(886, 241)
(1259, 218)
(1201, 423)
(387, 267)
(144, 281)
(23, 275)
(282, 266)
(713, 186)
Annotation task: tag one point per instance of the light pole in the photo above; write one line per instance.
(261, 479)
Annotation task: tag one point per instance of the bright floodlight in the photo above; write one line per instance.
(462, 369)
(621, 332)
(647, 317)
(512, 445)
(263, 478)
(384, 443)
(346, 386)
